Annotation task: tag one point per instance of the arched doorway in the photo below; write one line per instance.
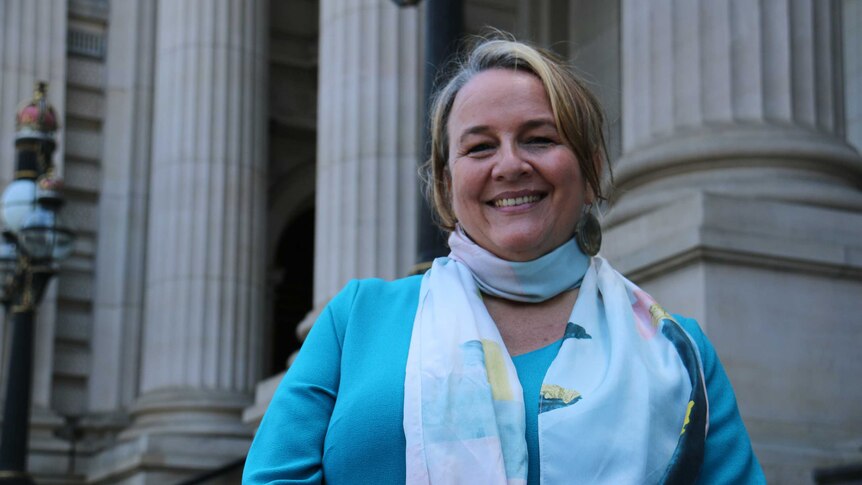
(292, 288)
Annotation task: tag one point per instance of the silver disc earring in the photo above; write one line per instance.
(588, 232)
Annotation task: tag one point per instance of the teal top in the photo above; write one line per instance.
(338, 411)
(531, 368)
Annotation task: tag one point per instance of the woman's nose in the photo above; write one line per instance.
(511, 164)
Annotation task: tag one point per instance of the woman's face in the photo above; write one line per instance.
(516, 186)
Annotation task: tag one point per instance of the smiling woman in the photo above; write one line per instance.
(521, 336)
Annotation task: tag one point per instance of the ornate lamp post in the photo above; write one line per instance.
(34, 241)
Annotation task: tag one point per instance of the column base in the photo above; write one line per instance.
(48, 459)
(775, 286)
(160, 459)
(189, 412)
(177, 434)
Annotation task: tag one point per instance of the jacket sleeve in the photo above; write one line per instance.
(288, 445)
(728, 457)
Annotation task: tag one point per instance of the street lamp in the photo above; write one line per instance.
(34, 240)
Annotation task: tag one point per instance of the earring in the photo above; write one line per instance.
(588, 232)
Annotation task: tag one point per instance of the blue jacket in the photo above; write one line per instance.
(338, 411)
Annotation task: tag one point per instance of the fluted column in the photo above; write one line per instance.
(368, 130)
(206, 246)
(120, 261)
(33, 47)
(734, 97)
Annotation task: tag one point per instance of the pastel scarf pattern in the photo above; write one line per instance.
(624, 401)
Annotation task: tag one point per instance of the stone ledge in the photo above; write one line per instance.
(174, 455)
(705, 226)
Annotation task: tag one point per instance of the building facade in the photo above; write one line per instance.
(231, 164)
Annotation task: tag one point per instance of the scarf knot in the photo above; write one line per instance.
(533, 281)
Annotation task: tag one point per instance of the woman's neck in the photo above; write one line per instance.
(526, 327)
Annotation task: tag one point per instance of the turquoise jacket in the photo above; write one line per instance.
(338, 411)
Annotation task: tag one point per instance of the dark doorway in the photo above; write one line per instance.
(292, 292)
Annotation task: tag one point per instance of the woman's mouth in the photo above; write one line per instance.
(515, 201)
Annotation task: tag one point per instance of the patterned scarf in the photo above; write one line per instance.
(624, 401)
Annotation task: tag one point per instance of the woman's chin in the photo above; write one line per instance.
(520, 250)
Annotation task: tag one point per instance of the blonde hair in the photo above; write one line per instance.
(577, 113)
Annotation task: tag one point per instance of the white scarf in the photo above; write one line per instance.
(624, 401)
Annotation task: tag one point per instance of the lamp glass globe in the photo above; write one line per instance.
(44, 235)
(19, 201)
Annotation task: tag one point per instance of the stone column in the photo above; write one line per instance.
(120, 261)
(742, 98)
(739, 204)
(369, 104)
(206, 246)
(33, 47)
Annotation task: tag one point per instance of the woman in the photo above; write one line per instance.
(522, 357)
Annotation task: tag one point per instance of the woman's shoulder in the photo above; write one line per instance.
(391, 287)
(376, 299)
(692, 327)
(361, 291)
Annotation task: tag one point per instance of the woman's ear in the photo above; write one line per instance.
(589, 195)
(448, 194)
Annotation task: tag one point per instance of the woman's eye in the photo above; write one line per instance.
(540, 141)
(479, 148)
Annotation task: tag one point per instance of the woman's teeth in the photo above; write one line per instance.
(516, 201)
